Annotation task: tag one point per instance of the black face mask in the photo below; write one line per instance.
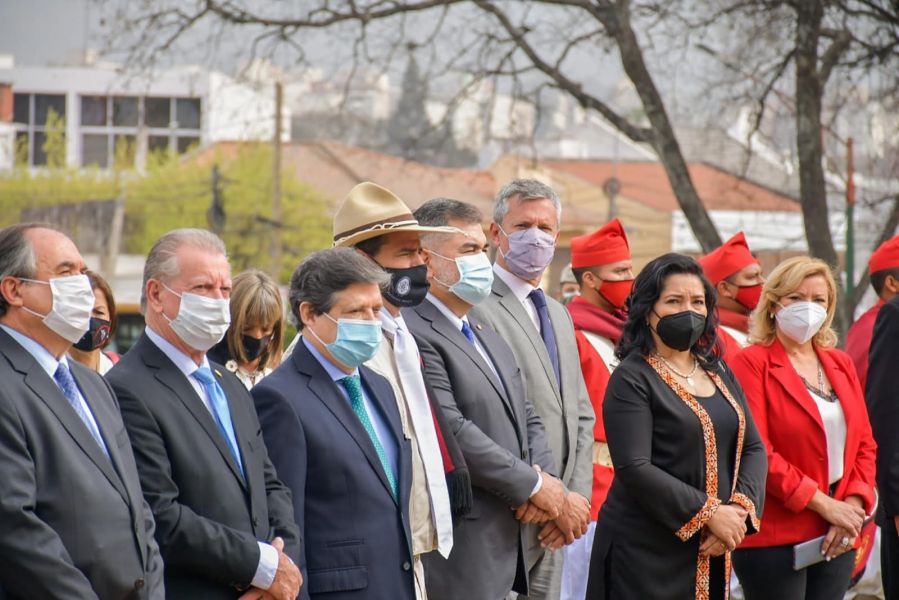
(408, 287)
(681, 330)
(254, 347)
(95, 337)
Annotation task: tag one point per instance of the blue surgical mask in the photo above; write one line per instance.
(530, 252)
(475, 277)
(357, 340)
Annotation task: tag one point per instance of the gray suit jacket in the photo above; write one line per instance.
(567, 413)
(73, 523)
(501, 436)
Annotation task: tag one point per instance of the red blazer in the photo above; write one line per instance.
(790, 424)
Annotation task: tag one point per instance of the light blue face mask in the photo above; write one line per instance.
(356, 343)
(475, 277)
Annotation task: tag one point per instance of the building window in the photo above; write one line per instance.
(31, 116)
(116, 130)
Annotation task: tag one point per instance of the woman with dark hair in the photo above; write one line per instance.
(90, 350)
(689, 464)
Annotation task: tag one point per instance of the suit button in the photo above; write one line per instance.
(139, 583)
(406, 566)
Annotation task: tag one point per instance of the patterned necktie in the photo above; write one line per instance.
(353, 386)
(220, 411)
(546, 330)
(468, 333)
(65, 381)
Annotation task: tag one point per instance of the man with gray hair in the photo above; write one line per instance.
(74, 523)
(335, 434)
(526, 219)
(224, 520)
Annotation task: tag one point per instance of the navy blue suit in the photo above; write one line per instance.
(357, 541)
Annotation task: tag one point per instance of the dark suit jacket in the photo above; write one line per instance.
(501, 436)
(883, 406)
(208, 519)
(357, 542)
(790, 424)
(73, 523)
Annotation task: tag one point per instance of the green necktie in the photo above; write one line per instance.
(353, 386)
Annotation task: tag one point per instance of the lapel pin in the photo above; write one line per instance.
(217, 372)
(478, 326)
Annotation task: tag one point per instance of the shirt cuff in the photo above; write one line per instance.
(537, 486)
(268, 566)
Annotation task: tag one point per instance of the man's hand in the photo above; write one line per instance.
(551, 496)
(571, 524)
(529, 513)
(551, 536)
(288, 580)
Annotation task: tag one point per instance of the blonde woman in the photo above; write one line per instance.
(810, 411)
(252, 347)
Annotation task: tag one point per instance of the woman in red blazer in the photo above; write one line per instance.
(810, 410)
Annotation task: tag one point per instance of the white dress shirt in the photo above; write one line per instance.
(268, 555)
(521, 290)
(834, 422)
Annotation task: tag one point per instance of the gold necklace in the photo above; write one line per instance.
(688, 377)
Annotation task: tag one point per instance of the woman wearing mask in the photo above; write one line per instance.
(810, 411)
(689, 463)
(252, 346)
(89, 350)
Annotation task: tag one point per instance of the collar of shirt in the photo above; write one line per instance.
(184, 363)
(43, 357)
(333, 370)
(519, 287)
(444, 309)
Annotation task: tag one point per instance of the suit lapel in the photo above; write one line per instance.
(238, 421)
(513, 306)
(169, 375)
(49, 393)
(325, 389)
(792, 383)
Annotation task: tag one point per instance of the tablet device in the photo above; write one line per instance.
(806, 554)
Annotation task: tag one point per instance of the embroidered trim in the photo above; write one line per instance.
(744, 501)
(703, 563)
(699, 519)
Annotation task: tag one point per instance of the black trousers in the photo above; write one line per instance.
(889, 559)
(767, 573)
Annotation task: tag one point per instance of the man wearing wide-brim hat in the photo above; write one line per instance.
(380, 225)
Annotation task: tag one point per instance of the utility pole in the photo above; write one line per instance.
(215, 216)
(275, 240)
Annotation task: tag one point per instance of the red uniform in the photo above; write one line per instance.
(858, 341)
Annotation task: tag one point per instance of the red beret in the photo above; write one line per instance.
(886, 256)
(606, 245)
(725, 260)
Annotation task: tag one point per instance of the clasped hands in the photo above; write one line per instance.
(287, 583)
(565, 515)
(724, 530)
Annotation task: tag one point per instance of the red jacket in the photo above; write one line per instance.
(596, 377)
(858, 341)
(790, 424)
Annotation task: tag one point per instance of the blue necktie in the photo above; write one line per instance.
(546, 331)
(468, 333)
(220, 410)
(65, 381)
(353, 386)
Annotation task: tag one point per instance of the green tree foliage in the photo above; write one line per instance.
(174, 193)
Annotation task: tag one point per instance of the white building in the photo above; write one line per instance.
(109, 112)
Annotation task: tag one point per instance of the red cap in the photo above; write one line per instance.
(606, 245)
(725, 260)
(886, 256)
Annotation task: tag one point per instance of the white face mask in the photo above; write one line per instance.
(800, 321)
(73, 304)
(201, 322)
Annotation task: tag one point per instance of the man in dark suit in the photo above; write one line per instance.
(335, 435)
(479, 385)
(224, 521)
(883, 410)
(525, 228)
(73, 522)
